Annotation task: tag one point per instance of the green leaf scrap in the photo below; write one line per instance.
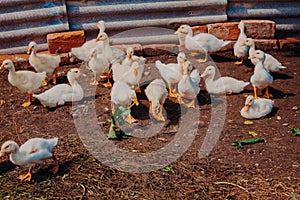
(241, 143)
(295, 131)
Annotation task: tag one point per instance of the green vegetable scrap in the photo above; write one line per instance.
(119, 116)
(169, 169)
(295, 131)
(241, 143)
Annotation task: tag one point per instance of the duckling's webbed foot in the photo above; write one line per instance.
(129, 119)
(44, 83)
(107, 84)
(267, 94)
(26, 177)
(28, 103)
(191, 104)
(239, 62)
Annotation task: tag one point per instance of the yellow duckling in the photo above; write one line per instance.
(33, 151)
(202, 42)
(156, 93)
(60, 94)
(25, 81)
(122, 95)
(43, 62)
(256, 108)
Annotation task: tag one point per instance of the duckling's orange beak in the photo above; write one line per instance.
(203, 74)
(129, 56)
(29, 50)
(97, 39)
(247, 107)
(243, 44)
(2, 67)
(251, 57)
(177, 32)
(2, 153)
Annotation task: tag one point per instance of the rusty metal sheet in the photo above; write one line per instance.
(24, 20)
(286, 14)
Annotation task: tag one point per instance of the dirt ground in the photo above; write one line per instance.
(268, 170)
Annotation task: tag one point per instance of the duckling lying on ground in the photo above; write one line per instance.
(222, 85)
(256, 108)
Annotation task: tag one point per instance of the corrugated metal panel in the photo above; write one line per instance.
(285, 13)
(24, 20)
(124, 15)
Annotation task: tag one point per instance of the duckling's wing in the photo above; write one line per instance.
(195, 76)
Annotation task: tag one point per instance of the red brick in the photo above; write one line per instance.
(199, 29)
(289, 44)
(264, 44)
(224, 31)
(260, 29)
(159, 49)
(65, 41)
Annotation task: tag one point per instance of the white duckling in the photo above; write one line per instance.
(83, 52)
(98, 63)
(134, 75)
(261, 78)
(105, 48)
(222, 85)
(172, 72)
(271, 64)
(256, 108)
(202, 42)
(130, 58)
(62, 93)
(239, 50)
(43, 62)
(25, 81)
(188, 86)
(122, 95)
(33, 151)
(156, 93)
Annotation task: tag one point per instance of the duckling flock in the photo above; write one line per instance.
(127, 70)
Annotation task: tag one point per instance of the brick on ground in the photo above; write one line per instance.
(224, 31)
(260, 29)
(256, 29)
(65, 41)
(266, 45)
(199, 29)
(289, 44)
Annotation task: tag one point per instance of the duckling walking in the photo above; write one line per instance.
(202, 42)
(43, 62)
(156, 93)
(26, 81)
(33, 151)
